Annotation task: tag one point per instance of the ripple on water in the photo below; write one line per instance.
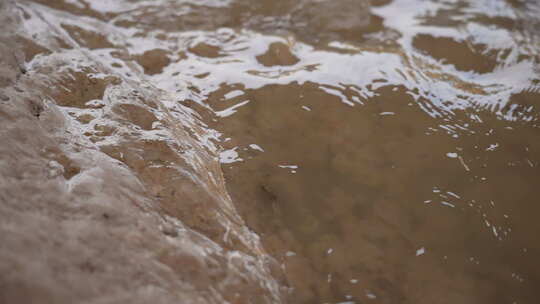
(384, 153)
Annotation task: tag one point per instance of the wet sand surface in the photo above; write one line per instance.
(384, 152)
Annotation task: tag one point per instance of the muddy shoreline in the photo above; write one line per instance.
(215, 151)
(111, 191)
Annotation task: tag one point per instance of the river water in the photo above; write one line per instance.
(384, 152)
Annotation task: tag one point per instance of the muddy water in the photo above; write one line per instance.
(389, 159)
(384, 152)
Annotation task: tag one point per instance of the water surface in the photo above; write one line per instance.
(385, 152)
(395, 161)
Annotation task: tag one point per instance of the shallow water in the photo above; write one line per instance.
(384, 152)
(394, 162)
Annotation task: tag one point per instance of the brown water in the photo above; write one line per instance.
(384, 152)
(393, 159)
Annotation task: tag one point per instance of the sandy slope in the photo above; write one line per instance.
(109, 192)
